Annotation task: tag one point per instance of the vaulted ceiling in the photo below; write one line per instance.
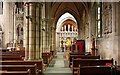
(74, 8)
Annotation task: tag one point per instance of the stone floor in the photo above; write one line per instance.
(58, 66)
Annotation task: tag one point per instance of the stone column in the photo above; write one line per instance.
(46, 35)
(43, 28)
(72, 28)
(64, 28)
(6, 18)
(43, 36)
(14, 32)
(65, 43)
(37, 31)
(50, 39)
(32, 33)
(53, 39)
(60, 38)
(26, 31)
(40, 30)
(68, 27)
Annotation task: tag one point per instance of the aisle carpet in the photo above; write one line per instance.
(58, 66)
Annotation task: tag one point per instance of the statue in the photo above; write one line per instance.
(93, 46)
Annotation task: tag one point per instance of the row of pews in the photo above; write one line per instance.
(12, 63)
(47, 57)
(31, 67)
(86, 64)
(12, 55)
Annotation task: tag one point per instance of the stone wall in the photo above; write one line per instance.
(108, 45)
(7, 22)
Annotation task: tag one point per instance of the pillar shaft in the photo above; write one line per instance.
(32, 31)
(37, 31)
(26, 31)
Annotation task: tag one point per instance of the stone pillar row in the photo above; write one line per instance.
(32, 28)
(53, 39)
(43, 28)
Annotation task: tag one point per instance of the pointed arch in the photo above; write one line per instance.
(64, 18)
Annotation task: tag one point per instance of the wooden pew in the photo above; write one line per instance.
(117, 70)
(31, 62)
(53, 53)
(91, 62)
(33, 68)
(4, 50)
(28, 72)
(76, 63)
(46, 58)
(95, 70)
(81, 57)
(10, 57)
(21, 53)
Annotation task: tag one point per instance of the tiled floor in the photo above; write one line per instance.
(58, 66)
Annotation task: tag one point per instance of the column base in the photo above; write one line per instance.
(31, 59)
(35, 59)
(25, 58)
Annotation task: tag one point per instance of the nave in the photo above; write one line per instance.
(59, 65)
(31, 33)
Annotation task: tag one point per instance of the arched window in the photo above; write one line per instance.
(1, 7)
(18, 33)
(99, 20)
(0, 28)
(21, 31)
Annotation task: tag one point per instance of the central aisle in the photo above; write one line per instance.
(58, 66)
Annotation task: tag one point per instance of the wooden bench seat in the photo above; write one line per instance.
(81, 57)
(117, 69)
(76, 63)
(53, 53)
(46, 58)
(91, 62)
(95, 70)
(21, 53)
(10, 57)
(28, 72)
(33, 68)
(31, 62)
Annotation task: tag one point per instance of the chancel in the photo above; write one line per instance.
(66, 38)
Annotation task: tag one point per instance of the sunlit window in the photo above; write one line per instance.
(1, 7)
(98, 20)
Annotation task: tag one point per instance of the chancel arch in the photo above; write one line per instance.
(67, 30)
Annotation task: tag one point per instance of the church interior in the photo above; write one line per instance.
(59, 38)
